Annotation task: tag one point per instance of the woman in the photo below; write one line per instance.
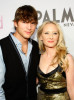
(56, 67)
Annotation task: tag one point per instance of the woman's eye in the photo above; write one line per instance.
(46, 33)
(55, 33)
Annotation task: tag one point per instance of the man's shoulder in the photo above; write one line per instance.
(34, 42)
(3, 39)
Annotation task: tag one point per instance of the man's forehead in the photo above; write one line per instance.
(29, 20)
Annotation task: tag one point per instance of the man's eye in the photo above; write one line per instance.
(24, 22)
(33, 23)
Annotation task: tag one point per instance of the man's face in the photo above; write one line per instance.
(25, 29)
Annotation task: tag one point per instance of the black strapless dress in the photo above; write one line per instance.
(53, 85)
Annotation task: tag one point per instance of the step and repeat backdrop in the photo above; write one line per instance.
(61, 11)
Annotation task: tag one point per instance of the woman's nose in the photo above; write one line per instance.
(51, 36)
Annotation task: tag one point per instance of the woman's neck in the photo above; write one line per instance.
(50, 52)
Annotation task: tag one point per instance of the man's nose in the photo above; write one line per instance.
(29, 25)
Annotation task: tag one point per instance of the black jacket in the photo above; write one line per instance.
(19, 85)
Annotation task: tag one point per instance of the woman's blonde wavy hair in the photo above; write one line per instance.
(60, 47)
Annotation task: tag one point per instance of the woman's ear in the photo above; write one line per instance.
(41, 38)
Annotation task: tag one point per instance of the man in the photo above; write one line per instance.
(19, 58)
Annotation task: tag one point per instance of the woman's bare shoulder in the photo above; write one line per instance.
(70, 57)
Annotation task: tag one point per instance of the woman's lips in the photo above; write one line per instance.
(50, 41)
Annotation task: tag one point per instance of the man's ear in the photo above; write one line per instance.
(15, 23)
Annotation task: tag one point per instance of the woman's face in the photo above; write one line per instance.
(50, 35)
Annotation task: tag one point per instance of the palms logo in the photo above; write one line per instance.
(66, 17)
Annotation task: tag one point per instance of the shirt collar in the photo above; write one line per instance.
(16, 41)
(19, 45)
